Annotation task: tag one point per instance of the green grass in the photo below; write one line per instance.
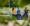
(3, 13)
(3, 18)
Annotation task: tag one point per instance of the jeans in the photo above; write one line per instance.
(19, 17)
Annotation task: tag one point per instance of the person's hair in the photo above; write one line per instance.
(12, 9)
(25, 7)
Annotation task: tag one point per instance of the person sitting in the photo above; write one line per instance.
(13, 11)
(25, 13)
(18, 14)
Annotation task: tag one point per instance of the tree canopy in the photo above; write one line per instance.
(19, 3)
(14, 3)
(3, 2)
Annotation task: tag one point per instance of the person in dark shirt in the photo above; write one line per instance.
(26, 13)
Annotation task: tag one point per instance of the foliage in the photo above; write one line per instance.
(19, 3)
(24, 3)
(3, 3)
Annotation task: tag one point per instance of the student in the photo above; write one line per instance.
(13, 12)
(13, 17)
(18, 14)
(26, 13)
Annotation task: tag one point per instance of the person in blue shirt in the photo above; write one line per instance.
(18, 14)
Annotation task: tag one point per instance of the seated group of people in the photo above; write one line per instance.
(18, 15)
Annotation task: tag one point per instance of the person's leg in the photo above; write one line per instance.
(19, 17)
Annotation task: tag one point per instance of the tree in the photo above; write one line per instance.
(3, 3)
(24, 3)
(14, 3)
(19, 3)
